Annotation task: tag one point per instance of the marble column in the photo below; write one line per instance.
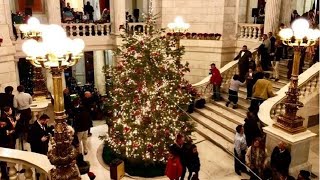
(54, 13)
(285, 14)
(272, 15)
(99, 77)
(118, 15)
(7, 12)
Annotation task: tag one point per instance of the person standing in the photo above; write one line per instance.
(294, 16)
(193, 164)
(264, 51)
(174, 168)
(82, 124)
(215, 80)
(243, 64)
(280, 159)
(39, 135)
(89, 106)
(12, 130)
(233, 91)
(240, 147)
(6, 98)
(179, 148)
(250, 83)
(276, 59)
(88, 9)
(251, 128)
(255, 158)
(22, 102)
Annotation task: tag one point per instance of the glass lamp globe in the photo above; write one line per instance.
(286, 33)
(29, 47)
(300, 28)
(32, 21)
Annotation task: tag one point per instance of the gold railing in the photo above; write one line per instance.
(309, 87)
(227, 72)
(26, 160)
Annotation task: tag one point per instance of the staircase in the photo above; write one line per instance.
(217, 123)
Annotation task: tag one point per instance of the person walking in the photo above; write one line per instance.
(233, 91)
(215, 80)
(243, 64)
(240, 147)
(251, 128)
(250, 83)
(276, 59)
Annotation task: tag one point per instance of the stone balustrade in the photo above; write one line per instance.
(26, 160)
(136, 27)
(78, 29)
(250, 31)
(205, 89)
(309, 86)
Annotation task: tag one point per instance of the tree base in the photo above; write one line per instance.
(134, 167)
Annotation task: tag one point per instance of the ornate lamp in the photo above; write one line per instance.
(32, 30)
(57, 52)
(298, 36)
(178, 27)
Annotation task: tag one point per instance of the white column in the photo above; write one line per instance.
(286, 10)
(54, 13)
(272, 15)
(118, 10)
(7, 12)
(99, 77)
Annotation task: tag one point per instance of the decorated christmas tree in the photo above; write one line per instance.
(149, 96)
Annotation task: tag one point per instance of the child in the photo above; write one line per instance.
(174, 167)
(233, 91)
(193, 163)
(250, 83)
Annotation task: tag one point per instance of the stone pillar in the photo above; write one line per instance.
(8, 19)
(99, 77)
(54, 13)
(285, 13)
(298, 145)
(272, 15)
(118, 15)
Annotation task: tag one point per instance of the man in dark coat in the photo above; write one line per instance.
(6, 98)
(88, 9)
(243, 64)
(280, 159)
(39, 135)
(251, 128)
(180, 148)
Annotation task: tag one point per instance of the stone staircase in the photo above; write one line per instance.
(217, 123)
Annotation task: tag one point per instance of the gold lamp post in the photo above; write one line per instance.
(32, 30)
(56, 52)
(298, 36)
(178, 27)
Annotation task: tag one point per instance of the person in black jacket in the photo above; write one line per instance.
(243, 64)
(280, 159)
(82, 124)
(39, 135)
(180, 148)
(193, 163)
(6, 98)
(251, 128)
(88, 9)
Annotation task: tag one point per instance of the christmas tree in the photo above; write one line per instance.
(149, 95)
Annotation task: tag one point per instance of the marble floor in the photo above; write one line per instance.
(215, 163)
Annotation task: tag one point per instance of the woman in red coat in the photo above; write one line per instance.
(216, 81)
(174, 167)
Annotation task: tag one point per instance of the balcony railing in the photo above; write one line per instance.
(28, 161)
(136, 27)
(250, 31)
(79, 29)
(309, 87)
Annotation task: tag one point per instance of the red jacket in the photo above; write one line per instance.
(216, 78)
(174, 168)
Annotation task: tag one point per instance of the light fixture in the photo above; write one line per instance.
(298, 36)
(53, 50)
(179, 25)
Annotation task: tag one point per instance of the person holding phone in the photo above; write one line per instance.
(39, 135)
(11, 126)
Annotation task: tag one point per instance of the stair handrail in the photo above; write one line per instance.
(28, 159)
(308, 84)
(227, 72)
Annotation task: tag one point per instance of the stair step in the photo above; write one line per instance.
(225, 123)
(215, 139)
(242, 102)
(214, 127)
(227, 113)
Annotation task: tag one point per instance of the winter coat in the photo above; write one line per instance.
(216, 78)
(174, 168)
